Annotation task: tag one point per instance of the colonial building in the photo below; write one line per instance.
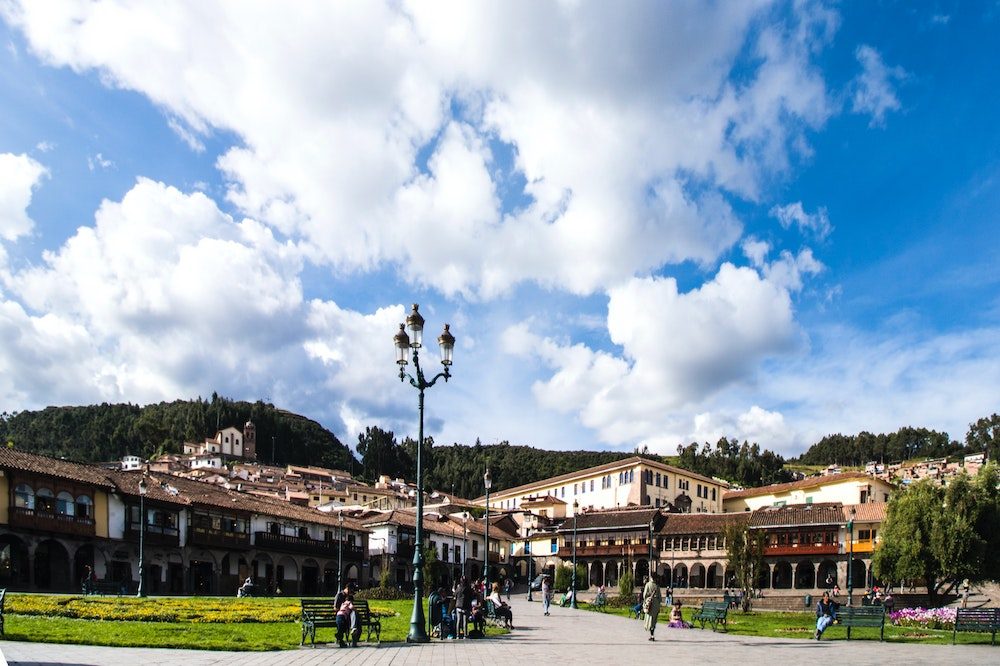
(229, 442)
(803, 545)
(846, 488)
(57, 517)
(634, 481)
(691, 550)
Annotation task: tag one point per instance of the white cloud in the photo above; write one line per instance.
(875, 86)
(98, 161)
(19, 176)
(817, 223)
(623, 123)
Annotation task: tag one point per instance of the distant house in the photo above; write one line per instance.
(846, 488)
(229, 442)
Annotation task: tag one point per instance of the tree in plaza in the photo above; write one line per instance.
(942, 535)
(745, 557)
(564, 577)
(625, 582)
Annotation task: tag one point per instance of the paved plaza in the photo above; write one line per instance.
(566, 636)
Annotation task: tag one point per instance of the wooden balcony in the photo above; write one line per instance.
(50, 522)
(305, 546)
(200, 536)
(862, 546)
(801, 550)
(155, 535)
(634, 549)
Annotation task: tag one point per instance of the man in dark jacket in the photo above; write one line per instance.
(826, 613)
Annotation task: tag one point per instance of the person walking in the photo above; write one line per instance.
(651, 604)
(463, 603)
(546, 594)
(508, 585)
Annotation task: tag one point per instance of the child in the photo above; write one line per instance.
(677, 618)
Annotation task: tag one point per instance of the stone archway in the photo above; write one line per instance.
(83, 558)
(781, 576)
(828, 575)
(596, 574)
(286, 577)
(310, 578)
(52, 569)
(681, 575)
(859, 574)
(697, 577)
(611, 573)
(714, 577)
(805, 575)
(763, 578)
(15, 572)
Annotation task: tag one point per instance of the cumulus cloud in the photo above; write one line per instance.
(19, 176)
(875, 86)
(624, 125)
(817, 223)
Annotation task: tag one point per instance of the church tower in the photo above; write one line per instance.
(250, 441)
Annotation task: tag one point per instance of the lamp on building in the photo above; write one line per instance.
(527, 551)
(143, 489)
(850, 556)
(404, 346)
(488, 483)
(340, 551)
(576, 507)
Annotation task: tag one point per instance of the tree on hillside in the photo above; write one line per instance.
(744, 464)
(745, 557)
(984, 435)
(942, 535)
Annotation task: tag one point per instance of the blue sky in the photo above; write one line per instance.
(647, 225)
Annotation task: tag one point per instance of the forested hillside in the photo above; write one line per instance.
(107, 432)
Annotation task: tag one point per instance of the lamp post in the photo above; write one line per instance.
(488, 482)
(465, 546)
(340, 551)
(650, 568)
(576, 507)
(527, 551)
(404, 345)
(850, 557)
(143, 489)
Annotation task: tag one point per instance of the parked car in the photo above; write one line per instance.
(537, 583)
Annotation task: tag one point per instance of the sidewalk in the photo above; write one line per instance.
(567, 636)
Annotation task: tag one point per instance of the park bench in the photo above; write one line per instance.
(862, 616)
(600, 601)
(3, 594)
(713, 613)
(985, 620)
(320, 613)
(106, 587)
(731, 600)
(491, 616)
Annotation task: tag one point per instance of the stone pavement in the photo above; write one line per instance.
(566, 636)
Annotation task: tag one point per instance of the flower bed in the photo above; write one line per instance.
(927, 618)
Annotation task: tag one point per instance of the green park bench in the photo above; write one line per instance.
(984, 620)
(713, 613)
(322, 613)
(871, 617)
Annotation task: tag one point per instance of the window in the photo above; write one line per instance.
(45, 501)
(65, 506)
(564, 491)
(592, 487)
(475, 549)
(809, 500)
(574, 488)
(84, 507)
(713, 494)
(458, 553)
(554, 547)
(657, 484)
(24, 496)
(303, 532)
(864, 535)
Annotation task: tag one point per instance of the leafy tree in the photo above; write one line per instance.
(626, 583)
(564, 577)
(942, 535)
(745, 556)
(744, 464)
(984, 435)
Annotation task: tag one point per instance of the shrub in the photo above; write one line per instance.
(625, 584)
(382, 594)
(564, 577)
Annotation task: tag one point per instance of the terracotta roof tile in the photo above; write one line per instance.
(621, 519)
(54, 467)
(827, 513)
(702, 523)
(811, 482)
(870, 512)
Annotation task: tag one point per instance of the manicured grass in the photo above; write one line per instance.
(775, 624)
(204, 623)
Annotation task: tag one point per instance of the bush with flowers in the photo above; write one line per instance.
(926, 618)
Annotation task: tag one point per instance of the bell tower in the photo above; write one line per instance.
(250, 441)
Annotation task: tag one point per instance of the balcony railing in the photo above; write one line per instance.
(155, 535)
(51, 522)
(200, 536)
(803, 549)
(862, 546)
(305, 545)
(605, 550)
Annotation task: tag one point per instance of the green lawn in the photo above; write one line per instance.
(802, 625)
(205, 623)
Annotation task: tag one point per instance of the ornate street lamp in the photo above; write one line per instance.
(850, 556)
(143, 489)
(404, 346)
(340, 551)
(527, 551)
(650, 567)
(488, 482)
(465, 546)
(576, 507)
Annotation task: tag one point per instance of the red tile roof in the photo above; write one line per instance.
(53, 467)
(827, 513)
(702, 523)
(811, 482)
(870, 512)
